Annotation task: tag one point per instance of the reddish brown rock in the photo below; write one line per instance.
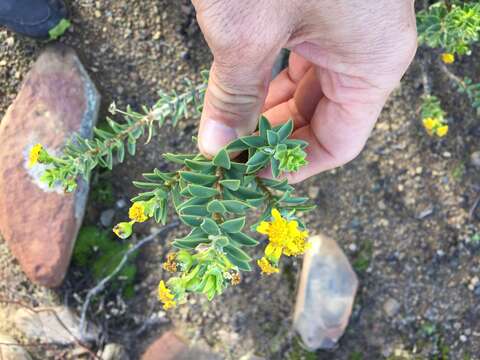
(39, 224)
(170, 347)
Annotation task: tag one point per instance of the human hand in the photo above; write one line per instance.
(347, 56)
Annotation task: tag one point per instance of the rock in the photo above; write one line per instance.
(106, 217)
(53, 325)
(475, 159)
(11, 350)
(39, 224)
(114, 351)
(170, 347)
(326, 293)
(424, 212)
(391, 307)
(120, 203)
(313, 191)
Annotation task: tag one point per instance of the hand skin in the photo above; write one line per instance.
(347, 56)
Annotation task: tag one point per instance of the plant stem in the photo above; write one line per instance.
(157, 114)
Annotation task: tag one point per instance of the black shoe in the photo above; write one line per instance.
(41, 19)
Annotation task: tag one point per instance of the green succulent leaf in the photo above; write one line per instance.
(295, 200)
(202, 166)
(210, 227)
(237, 145)
(258, 159)
(190, 242)
(230, 184)
(242, 239)
(191, 220)
(197, 210)
(234, 225)
(272, 138)
(293, 143)
(235, 206)
(264, 126)
(198, 179)
(242, 265)
(202, 191)
(285, 130)
(254, 141)
(222, 159)
(178, 158)
(237, 253)
(216, 206)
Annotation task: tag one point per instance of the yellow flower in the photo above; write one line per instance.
(430, 124)
(165, 296)
(235, 279)
(442, 131)
(123, 230)
(284, 237)
(34, 154)
(448, 58)
(137, 212)
(266, 267)
(434, 126)
(170, 265)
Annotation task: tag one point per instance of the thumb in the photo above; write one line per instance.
(233, 101)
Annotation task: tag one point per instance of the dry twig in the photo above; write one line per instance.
(101, 285)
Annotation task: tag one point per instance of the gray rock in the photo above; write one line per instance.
(11, 350)
(475, 159)
(39, 224)
(106, 217)
(326, 293)
(391, 307)
(53, 325)
(120, 203)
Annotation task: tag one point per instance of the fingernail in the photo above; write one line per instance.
(214, 135)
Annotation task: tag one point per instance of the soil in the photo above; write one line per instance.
(403, 211)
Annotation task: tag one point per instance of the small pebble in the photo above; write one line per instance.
(120, 204)
(475, 159)
(10, 41)
(391, 307)
(106, 217)
(313, 191)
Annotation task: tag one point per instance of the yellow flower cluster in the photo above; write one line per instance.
(448, 58)
(137, 212)
(166, 296)
(170, 265)
(285, 238)
(34, 154)
(434, 126)
(236, 279)
(266, 266)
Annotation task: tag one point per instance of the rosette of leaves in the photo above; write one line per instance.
(213, 196)
(452, 27)
(110, 145)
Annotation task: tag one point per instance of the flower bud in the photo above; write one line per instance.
(123, 230)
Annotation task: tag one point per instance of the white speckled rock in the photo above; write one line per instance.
(326, 293)
(57, 99)
(10, 350)
(53, 325)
